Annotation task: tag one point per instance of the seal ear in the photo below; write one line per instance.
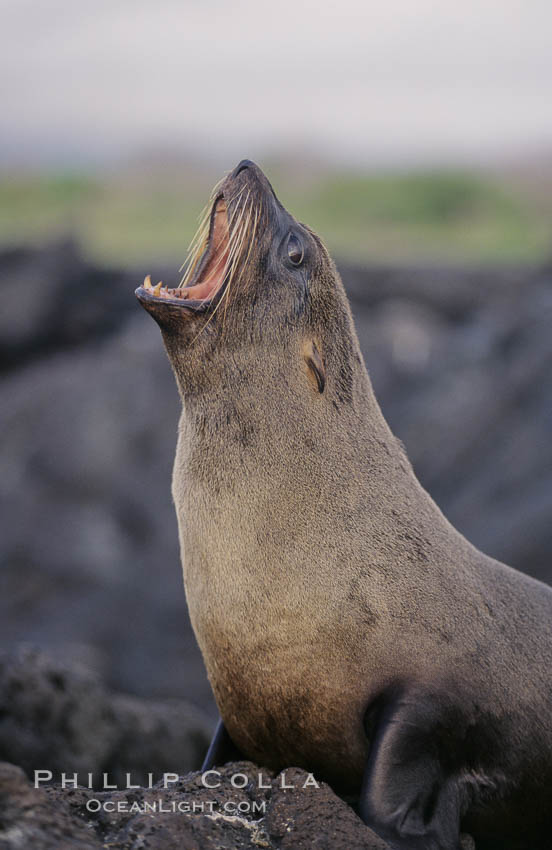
(313, 359)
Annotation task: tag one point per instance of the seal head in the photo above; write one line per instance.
(255, 277)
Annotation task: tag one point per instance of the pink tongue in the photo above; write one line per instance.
(201, 290)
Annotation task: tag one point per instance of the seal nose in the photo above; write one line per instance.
(241, 166)
(256, 178)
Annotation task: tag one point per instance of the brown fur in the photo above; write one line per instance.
(317, 569)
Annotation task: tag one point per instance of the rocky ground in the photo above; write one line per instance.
(59, 718)
(193, 817)
(64, 740)
(461, 363)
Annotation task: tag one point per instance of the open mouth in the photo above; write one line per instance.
(205, 279)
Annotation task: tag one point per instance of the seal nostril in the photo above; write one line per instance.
(245, 163)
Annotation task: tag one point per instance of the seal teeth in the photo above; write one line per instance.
(159, 290)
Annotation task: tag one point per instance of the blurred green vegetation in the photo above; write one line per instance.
(144, 216)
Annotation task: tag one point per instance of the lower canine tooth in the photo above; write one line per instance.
(147, 282)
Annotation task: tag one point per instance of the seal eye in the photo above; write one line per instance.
(295, 250)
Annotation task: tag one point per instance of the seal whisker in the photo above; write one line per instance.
(236, 243)
(251, 240)
(201, 237)
(242, 241)
(200, 241)
(244, 221)
(196, 248)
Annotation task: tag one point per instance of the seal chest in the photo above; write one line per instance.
(346, 627)
(263, 611)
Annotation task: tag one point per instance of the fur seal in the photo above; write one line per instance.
(346, 626)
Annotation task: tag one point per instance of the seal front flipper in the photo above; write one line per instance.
(221, 749)
(411, 795)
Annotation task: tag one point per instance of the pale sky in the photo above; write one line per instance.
(367, 82)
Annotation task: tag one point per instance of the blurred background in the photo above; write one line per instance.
(415, 137)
